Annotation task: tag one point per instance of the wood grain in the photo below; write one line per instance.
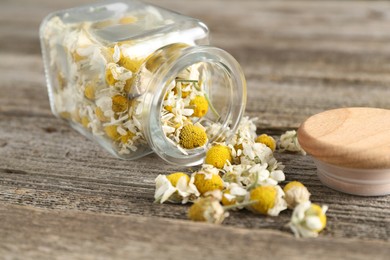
(349, 137)
(74, 200)
(90, 235)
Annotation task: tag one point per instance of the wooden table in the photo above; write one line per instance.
(62, 196)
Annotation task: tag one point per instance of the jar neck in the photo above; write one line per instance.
(223, 83)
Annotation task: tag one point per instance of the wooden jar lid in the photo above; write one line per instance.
(349, 137)
(351, 149)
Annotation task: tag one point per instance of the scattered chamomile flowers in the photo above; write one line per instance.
(308, 219)
(289, 142)
(242, 173)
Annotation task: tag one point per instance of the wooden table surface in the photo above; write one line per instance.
(63, 197)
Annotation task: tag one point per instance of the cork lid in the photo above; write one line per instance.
(349, 137)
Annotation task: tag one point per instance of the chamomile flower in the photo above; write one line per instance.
(246, 133)
(89, 91)
(207, 209)
(119, 103)
(254, 153)
(111, 132)
(295, 193)
(259, 174)
(176, 187)
(233, 194)
(267, 140)
(289, 142)
(213, 131)
(100, 115)
(200, 105)
(192, 136)
(235, 173)
(116, 75)
(218, 155)
(308, 219)
(268, 200)
(207, 179)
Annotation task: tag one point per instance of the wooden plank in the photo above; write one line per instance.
(300, 58)
(45, 164)
(89, 236)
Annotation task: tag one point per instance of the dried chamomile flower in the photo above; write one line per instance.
(289, 142)
(100, 115)
(308, 219)
(206, 182)
(85, 121)
(254, 153)
(258, 174)
(267, 140)
(119, 103)
(218, 155)
(200, 105)
(116, 75)
(192, 136)
(207, 210)
(126, 137)
(176, 187)
(233, 195)
(130, 64)
(236, 173)
(111, 132)
(246, 133)
(295, 193)
(268, 200)
(175, 177)
(89, 91)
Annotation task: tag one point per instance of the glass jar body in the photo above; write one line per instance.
(111, 66)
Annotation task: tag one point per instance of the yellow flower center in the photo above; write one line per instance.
(292, 185)
(200, 106)
(85, 121)
(192, 136)
(89, 91)
(265, 197)
(204, 185)
(207, 210)
(197, 210)
(109, 77)
(128, 136)
(218, 155)
(168, 108)
(174, 177)
(316, 210)
(119, 103)
(111, 131)
(100, 114)
(225, 201)
(267, 140)
(130, 64)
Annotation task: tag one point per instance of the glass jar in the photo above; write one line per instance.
(137, 78)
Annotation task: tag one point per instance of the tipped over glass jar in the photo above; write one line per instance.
(138, 79)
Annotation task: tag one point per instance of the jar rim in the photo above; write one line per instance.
(160, 85)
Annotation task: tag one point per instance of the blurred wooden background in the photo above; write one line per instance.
(62, 196)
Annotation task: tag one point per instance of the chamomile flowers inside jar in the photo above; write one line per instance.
(138, 79)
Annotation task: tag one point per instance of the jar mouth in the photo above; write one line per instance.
(224, 89)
